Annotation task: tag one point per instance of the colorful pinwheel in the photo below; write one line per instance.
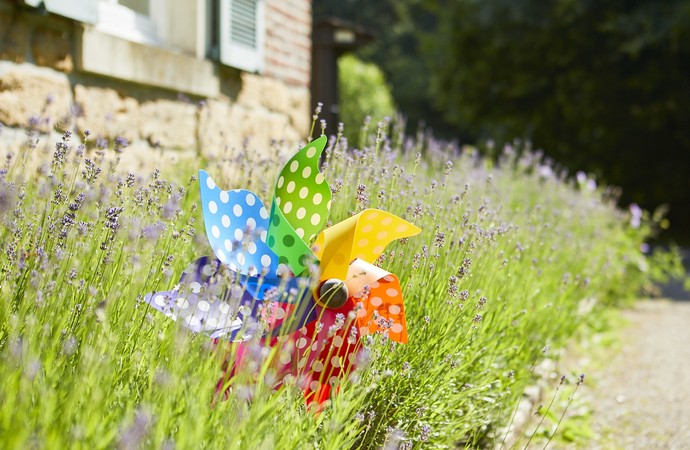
(259, 282)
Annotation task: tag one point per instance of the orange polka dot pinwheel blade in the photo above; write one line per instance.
(380, 307)
(364, 236)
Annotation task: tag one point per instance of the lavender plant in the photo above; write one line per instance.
(512, 258)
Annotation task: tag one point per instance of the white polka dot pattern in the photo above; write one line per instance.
(299, 211)
(320, 344)
(199, 302)
(235, 223)
(382, 308)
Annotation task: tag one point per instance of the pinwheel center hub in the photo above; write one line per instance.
(333, 293)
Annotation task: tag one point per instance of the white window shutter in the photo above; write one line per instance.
(242, 34)
(82, 10)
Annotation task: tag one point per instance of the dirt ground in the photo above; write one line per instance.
(639, 396)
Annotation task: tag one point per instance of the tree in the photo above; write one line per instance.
(600, 86)
(397, 25)
(363, 92)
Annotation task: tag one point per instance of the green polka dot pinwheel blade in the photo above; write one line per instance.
(301, 205)
(284, 241)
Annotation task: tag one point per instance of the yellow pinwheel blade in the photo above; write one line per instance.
(364, 236)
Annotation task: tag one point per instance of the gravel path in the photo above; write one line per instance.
(641, 398)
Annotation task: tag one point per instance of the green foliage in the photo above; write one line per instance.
(363, 93)
(509, 255)
(601, 86)
(396, 49)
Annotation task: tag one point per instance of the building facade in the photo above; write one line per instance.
(178, 79)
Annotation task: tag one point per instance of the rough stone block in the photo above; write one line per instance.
(300, 110)
(140, 158)
(30, 93)
(217, 132)
(15, 38)
(33, 153)
(262, 91)
(168, 123)
(262, 127)
(107, 114)
(52, 48)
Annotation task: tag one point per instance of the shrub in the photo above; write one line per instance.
(363, 93)
(510, 254)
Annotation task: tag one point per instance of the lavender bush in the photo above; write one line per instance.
(514, 257)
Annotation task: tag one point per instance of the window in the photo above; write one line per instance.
(140, 6)
(233, 30)
(242, 34)
(128, 19)
(82, 10)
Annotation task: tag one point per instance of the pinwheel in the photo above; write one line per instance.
(261, 281)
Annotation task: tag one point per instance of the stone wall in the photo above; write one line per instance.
(52, 76)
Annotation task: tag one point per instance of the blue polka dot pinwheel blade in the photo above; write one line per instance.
(284, 290)
(236, 224)
(290, 293)
(209, 299)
